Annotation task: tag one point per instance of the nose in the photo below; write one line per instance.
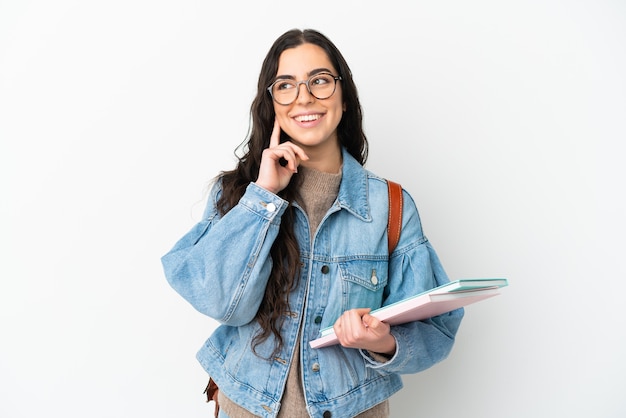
(304, 96)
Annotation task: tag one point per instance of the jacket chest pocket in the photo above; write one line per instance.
(363, 283)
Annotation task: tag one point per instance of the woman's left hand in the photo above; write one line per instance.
(356, 328)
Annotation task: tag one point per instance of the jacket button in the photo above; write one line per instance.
(315, 367)
(374, 279)
(327, 414)
(318, 319)
(325, 269)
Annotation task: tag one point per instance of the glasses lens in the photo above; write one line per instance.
(284, 91)
(322, 85)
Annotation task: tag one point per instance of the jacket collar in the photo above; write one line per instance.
(353, 190)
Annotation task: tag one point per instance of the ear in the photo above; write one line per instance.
(344, 106)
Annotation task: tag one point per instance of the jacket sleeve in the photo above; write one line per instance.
(414, 267)
(222, 265)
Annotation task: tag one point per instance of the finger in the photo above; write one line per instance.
(361, 311)
(290, 155)
(374, 323)
(298, 154)
(358, 314)
(352, 323)
(370, 321)
(275, 137)
(286, 156)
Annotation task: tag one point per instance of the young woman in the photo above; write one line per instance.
(294, 240)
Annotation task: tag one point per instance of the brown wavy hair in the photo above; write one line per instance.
(285, 251)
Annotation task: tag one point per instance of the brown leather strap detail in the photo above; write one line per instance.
(211, 392)
(394, 224)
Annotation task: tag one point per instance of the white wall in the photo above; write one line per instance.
(504, 120)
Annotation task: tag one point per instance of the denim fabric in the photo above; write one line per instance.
(221, 266)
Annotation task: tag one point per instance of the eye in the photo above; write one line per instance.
(282, 85)
(321, 79)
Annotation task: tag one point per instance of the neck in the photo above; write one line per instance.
(327, 160)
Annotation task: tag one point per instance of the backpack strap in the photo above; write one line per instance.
(394, 223)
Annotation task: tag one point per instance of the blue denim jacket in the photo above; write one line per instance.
(221, 266)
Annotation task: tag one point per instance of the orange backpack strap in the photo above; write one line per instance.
(394, 223)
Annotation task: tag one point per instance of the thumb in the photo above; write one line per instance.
(362, 311)
(370, 321)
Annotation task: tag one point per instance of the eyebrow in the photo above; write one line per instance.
(309, 74)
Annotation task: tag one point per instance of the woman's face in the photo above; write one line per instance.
(310, 122)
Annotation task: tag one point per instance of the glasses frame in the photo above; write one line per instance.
(308, 87)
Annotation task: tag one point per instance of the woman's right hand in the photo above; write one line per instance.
(274, 176)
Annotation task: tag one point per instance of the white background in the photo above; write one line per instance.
(504, 120)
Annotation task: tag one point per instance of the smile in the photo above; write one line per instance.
(307, 118)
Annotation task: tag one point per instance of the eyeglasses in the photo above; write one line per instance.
(321, 86)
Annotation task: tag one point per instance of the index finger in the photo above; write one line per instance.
(275, 137)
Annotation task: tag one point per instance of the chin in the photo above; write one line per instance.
(310, 140)
(307, 142)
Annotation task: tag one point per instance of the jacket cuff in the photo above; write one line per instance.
(377, 360)
(262, 202)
